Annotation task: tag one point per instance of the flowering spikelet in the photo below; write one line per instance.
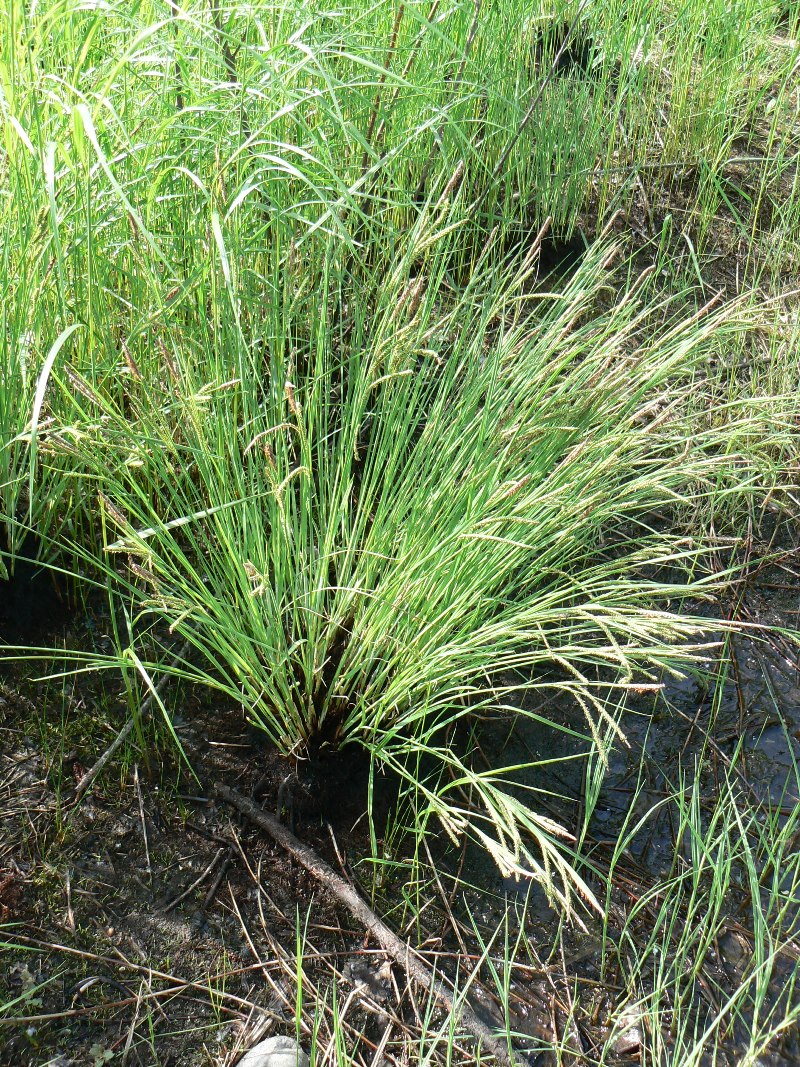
(455, 178)
(144, 573)
(169, 362)
(113, 510)
(291, 399)
(132, 364)
(80, 383)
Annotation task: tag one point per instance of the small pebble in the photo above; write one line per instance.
(630, 1039)
(732, 949)
(628, 1042)
(275, 1052)
(199, 922)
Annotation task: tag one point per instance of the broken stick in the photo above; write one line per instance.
(400, 951)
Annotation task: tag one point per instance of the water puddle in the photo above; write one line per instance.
(694, 829)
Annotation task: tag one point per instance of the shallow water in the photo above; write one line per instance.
(740, 722)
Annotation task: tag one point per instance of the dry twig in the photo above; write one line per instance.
(400, 951)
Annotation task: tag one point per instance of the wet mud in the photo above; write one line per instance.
(34, 598)
(160, 875)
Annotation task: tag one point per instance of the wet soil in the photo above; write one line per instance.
(744, 728)
(150, 924)
(34, 599)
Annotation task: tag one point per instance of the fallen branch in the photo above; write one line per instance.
(400, 951)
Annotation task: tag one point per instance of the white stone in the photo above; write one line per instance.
(275, 1052)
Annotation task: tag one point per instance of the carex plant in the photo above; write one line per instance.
(284, 385)
(378, 533)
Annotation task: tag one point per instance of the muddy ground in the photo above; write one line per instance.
(148, 924)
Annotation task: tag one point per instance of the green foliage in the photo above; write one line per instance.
(276, 366)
